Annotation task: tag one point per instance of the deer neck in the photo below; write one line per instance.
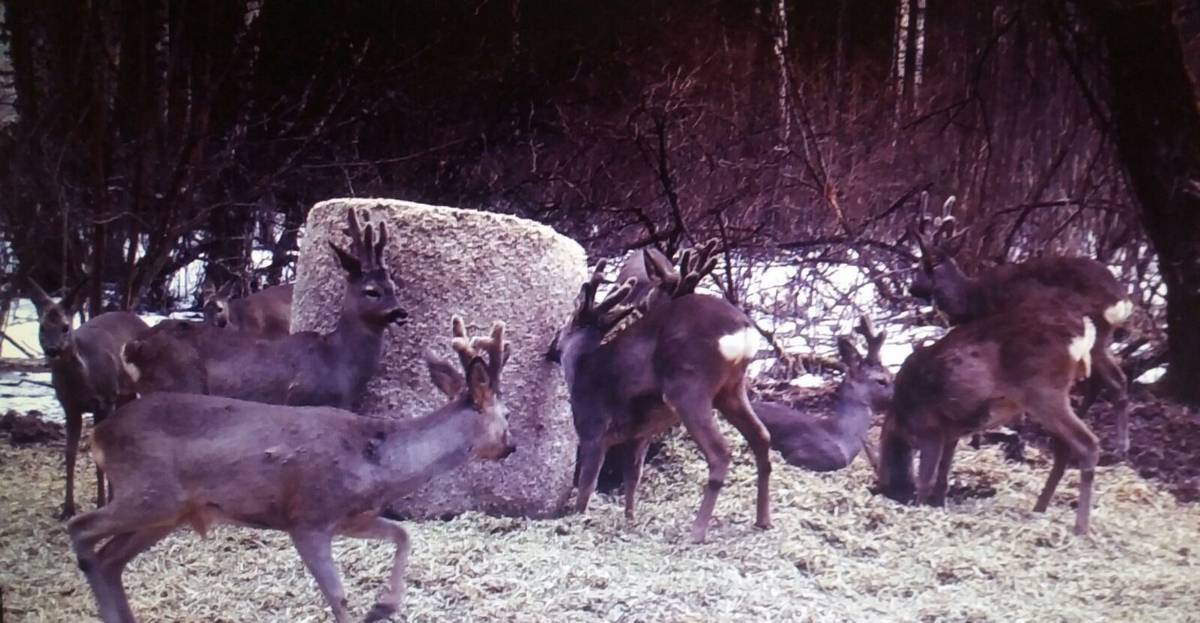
(959, 296)
(357, 343)
(413, 451)
(581, 352)
(853, 414)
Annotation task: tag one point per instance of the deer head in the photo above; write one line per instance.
(478, 384)
(867, 380)
(370, 291)
(939, 279)
(54, 319)
(590, 320)
(216, 302)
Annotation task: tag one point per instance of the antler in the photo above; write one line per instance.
(469, 348)
(874, 340)
(694, 265)
(608, 312)
(362, 240)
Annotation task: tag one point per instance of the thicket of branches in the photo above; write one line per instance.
(146, 136)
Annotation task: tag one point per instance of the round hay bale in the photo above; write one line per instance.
(483, 267)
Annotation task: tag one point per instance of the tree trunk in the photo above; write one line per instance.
(1157, 129)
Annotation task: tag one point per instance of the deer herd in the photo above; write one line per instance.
(238, 420)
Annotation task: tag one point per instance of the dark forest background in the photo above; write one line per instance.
(137, 137)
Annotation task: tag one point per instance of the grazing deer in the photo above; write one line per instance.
(683, 357)
(85, 369)
(983, 374)
(1075, 283)
(313, 472)
(306, 368)
(828, 443)
(266, 313)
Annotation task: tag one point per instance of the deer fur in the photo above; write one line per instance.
(313, 472)
(1082, 285)
(981, 375)
(665, 368)
(266, 313)
(824, 443)
(85, 370)
(305, 368)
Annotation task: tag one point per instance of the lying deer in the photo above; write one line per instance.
(266, 313)
(1080, 284)
(984, 374)
(85, 370)
(306, 368)
(828, 443)
(313, 472)
(682, 358)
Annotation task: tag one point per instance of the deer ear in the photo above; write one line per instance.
(448, 380)
(848, 352)
(479, 382)
(349, 263)
(658, 266)
(75, 298)
(228, 290)
(40, 299)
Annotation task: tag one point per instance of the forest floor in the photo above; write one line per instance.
(836, 552)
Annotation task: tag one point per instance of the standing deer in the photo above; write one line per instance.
(306, 368)
(828, 443)
(686, 355)
(85, 369)
(1080, 284)
(266, 313)
(313, 472)
(983, 374)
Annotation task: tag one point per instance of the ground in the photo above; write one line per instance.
(836, 553)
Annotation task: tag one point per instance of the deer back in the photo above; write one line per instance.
(266, 313)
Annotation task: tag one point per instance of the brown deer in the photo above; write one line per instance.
(825, 443)
(1080, 284)
(266, 313)
(683, 357)
(983, 374)
(306, 368)
(313, 472)
(85, 369)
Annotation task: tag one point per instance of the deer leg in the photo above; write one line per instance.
(116, 554)
(870, 453)
(634, 460)
(97, 417)
(1058, 419)
(695, 411)
(931, 457)
(737, 410)
(74, 428)
(314, 548)
(943, 472)
(1061, 453)
(1109, 374)
(373, 527)
(591, 458)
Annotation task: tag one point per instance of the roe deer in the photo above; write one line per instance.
(85, 369)
(983, 374)
(682, 358)
(266, 313)
(306, 368)
(828, 443)
(1075, 283)
(313, 472)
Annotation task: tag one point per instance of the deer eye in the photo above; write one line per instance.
(882, 382)
(371, 293)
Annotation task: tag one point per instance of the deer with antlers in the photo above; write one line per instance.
(984, 374)
(313, 472)
(686, 355)
(85, 369)
(305, 368)
(1078, 284)
(825, 443)
(266, 313)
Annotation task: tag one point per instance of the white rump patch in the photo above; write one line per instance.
(1081, 347)
(1119, 312)
(130, 369)
(739, 346)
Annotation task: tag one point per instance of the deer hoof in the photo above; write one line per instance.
(380, 612)
(763, 525)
